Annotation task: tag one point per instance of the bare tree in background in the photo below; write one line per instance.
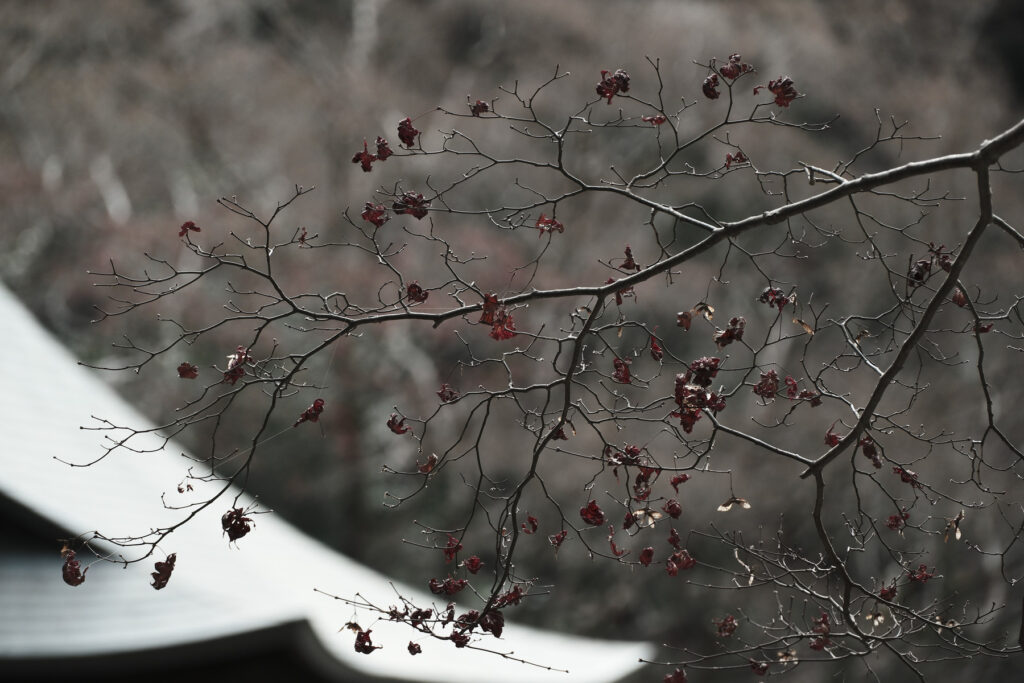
(702, 399)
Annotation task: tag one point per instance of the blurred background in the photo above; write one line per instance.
(119, 120)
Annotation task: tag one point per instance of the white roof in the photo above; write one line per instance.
(216, 590)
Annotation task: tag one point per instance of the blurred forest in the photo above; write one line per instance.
(119, 120)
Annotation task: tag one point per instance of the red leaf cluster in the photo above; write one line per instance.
(897, 522)
(188, 226)
(768, 386)
(415, 294)
(312, 413)
(710, 87)
(737, 158)
(783, 89)
(188, 371)
(406, 132)
(621, 373)
(921, 575)
(735, 68)
(734, 332)
(449, 586)
(363, 643)
(413, 204)
(726, 626)
(397, 425)
(72, 572)
(472, 564)
(163, 571)
(447, 394)
(612, 84)
(479, 107)
(774, 297)
(530, 525)
(592, 514)
(235, 524)
(545, 224)
(376, 214)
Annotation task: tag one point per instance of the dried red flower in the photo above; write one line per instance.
(188, 226)
(657, 353)
(734, 332)
(612, 84)
(548, 224)
(414, 648)
(71, 572)
(672, 508)
(646, 556)
(677, 676)
(363, 643)
(235, 524)
(428, 466)
(921, 575)
(312, 413)
(364, 159)
(673, 538)
(383, 149)
(504, 327)
(530, 525)
(831, 438)
(616, 551)
(415, 294)
(735, 68)
(959, 298)
(451, 548)
(782, 88)
(559, 538)
(493, 622)
(472, 564)
(888, 592)
(768, 386)
(411, 203)
(774, 297)
(479, 107)
(447, 394)
(656, 120)
(867, 445)
(163, 571)
(592, 514)
(375, 213)
(460, 638)
(710, 87)
(406, 133)
(677, 480)
(188, 371)
(759, 668)
(490, 309)
(907, 477)
(621, 373)
(897, 522)
(449, 586)
(737, 158)
(397, 425)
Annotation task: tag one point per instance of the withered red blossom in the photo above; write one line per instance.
(710, 87)
(451, 548)
(737, 158)
(383, 149)
(406, 133)
(235, 524)
(897, 522)
(449, 586)
(397, 425)
(682, 559)
(870, 451)
(672, 508)
(919, 272)
(621, 373)
(888, 592)
(188, 371)
(163, 571)
(557, 539)
(768, 386)
(363, 643)
(418, 616)
(726, 626)
(414, 648)
(549, 225)
(647, 556)
(792, 388)
(364, 159)
(460, 638)
(982, 328)
(504, 327)
(656, 120)
(702, 371)
(831, 438)
(72, 572)
(759, 668)
(428, 466)
(472, 564)
(612, 84)
(187, 227)
(312, 413)
(512, 597)
(734, 332)
(735, 68)
(774, 297)
(493, 622)
(377, 214)
(783, 89)
(820, 643)
(530, 525)
(677, 480)
(447, 394)
(415, 294)
(657, 353)
(822, 625)
(479, 107)
(673, 538)
(592, 514)
(959, 298)
(411, 203)
(236, 365)
(490, 309)
(907, 477)
(921, 575)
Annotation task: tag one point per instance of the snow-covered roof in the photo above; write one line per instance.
(217, 590)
